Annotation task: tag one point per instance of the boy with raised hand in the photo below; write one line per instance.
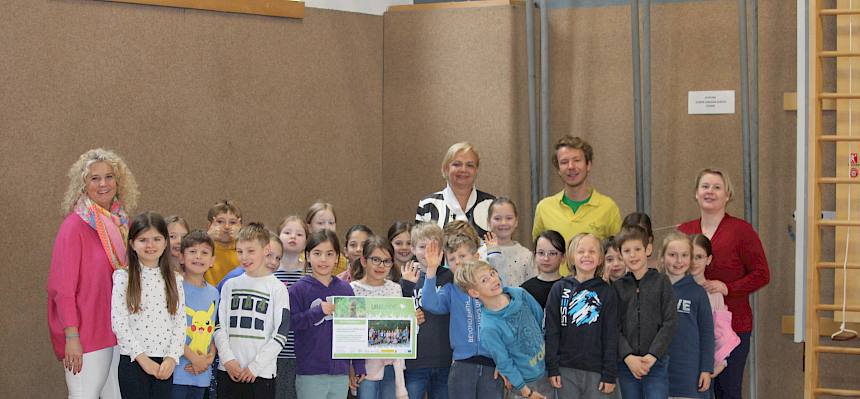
(428, 372)
(473, 373)
(511, 328)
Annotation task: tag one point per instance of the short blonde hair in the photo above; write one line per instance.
(255, 231)
(453, 151)
(465, 278)
(426, 231)
(723, 175)
(126, 185)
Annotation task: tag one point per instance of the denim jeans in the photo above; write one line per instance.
(382, 389)
(474, 381)
(188, 392)
(430, 380)
(655, 385)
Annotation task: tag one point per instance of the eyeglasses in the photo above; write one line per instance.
(548, 254)
(376, 261)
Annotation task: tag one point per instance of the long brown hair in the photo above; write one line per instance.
(140, 224)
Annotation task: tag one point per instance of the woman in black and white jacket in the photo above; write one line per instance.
(459, 200)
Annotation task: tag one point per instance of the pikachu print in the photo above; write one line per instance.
(201, 328)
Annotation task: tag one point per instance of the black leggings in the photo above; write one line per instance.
(134, 383)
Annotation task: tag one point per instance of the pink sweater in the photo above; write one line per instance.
(79, 288)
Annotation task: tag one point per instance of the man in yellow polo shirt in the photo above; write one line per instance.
(578, 208)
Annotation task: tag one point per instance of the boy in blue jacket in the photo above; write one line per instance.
(473, 373)
(511, 330)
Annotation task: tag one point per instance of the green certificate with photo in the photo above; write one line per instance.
(374, 328)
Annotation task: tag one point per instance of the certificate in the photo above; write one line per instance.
(374, 328)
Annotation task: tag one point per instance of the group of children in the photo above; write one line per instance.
(493, 319)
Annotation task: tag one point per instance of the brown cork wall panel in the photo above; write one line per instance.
(694, 47)
(591, 91)
(272, 112)
(450, 76)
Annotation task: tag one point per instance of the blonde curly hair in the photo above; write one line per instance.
(126, 185)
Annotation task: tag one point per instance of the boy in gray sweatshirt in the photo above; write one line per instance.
(647, 318)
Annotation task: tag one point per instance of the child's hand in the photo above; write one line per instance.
(491, 240)
(165, 370)
(555, 381)
(355, 381)
(411, 271)
(529, 393)
(648, 361)
(434, 257)
(233, 369)
(704, 381)
(247, 376)
(148, 365)
(496, 376)
(214, 232)
(716, 286)
(634, 363)
(327, 307)
(419, 316)
(718, 368)
(200, 362)
(606, 387)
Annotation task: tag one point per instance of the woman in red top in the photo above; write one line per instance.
(738, 269)
(89, 246)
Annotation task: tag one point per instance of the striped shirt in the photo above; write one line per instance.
(289, 278)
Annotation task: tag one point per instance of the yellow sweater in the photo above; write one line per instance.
(225, 261)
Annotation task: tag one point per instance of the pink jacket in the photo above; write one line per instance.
(726, 338)
(79, 288)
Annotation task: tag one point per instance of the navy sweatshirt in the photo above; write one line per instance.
(692, 349)
(434, 346)
(582, 328)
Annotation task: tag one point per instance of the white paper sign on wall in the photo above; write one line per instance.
(711, 102)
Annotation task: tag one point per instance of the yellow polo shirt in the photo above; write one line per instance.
(599, 216)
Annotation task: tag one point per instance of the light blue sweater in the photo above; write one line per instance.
(515, 338)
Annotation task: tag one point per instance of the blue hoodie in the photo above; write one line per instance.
(313, 328)
(514, 336)
(465, 326)
(691, 351)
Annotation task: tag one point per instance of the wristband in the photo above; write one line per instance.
(73, 335)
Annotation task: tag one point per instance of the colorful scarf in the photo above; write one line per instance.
(111, 226)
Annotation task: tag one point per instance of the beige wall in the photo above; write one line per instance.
(276, 113)
(272, 112)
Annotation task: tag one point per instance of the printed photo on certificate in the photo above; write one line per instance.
(374, 328)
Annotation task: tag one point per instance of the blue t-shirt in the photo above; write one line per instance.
(201, 310)
(238, 271)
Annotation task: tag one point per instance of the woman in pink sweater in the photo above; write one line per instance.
(89, 246)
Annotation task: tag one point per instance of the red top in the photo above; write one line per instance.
(739, 261)
(79, 288)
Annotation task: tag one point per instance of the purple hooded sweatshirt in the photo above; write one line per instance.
(313, 329)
